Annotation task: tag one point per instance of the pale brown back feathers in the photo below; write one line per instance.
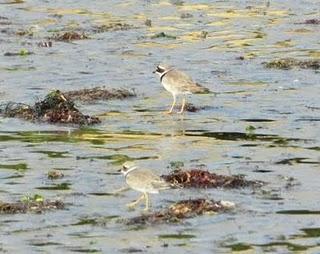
(183, 82)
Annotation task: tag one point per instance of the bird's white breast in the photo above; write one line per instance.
(170, 88)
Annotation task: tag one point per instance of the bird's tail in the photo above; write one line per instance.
(199, 89)
(162, 185)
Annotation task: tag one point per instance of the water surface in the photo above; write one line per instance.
(262, 123)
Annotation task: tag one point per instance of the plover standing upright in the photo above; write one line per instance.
(142, 180)
(178, 83)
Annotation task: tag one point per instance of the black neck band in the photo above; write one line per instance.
(161, 77)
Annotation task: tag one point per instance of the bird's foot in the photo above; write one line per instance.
(132, 204)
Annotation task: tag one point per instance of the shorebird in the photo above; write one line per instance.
(178, 83)
(142, 180)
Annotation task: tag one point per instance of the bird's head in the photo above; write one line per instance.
(127, 166)
(161, 68)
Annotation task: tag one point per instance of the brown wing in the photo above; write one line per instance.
(184, 82)
(142, 178)
(147, 180)
(160, 184)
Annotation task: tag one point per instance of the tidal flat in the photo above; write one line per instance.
(261, 60)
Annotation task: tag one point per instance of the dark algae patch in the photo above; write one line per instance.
(288, 245)
(53, 154)
(86, 221)
(117, 159)
(197, 178)
(311, 22)
(35, 204)
(19, 167)
(181, 210)
(69, 36)
(300, 160)
(258, 120)
(299, 212)
(60, 186)
(99, 93)
(192, 108)
(176, 236)
(80, 250)
(246, 136)
(22, 52)
(55, 108)
(311, 232)
(118, 26)
(43, 243)
(289, 63)
(163, 35)
(239, 247)
(96, 221)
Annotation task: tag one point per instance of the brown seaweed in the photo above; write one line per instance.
(197, 178)
(289, 63)
(30, 206)
(310, 22)
(55, 108)
(112, 27)
(99, 93)
(182, 210)
(192, 108)
(69, 36)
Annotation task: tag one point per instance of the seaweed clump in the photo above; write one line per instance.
(181, 210)
(55, 108)
(98, 93)
(289, 63)
(70, 36)
(55, 174)
(163, 35)
(311, 22)
(36, 206)
(45, 44)
(192, 108)
(112, 27)
(22, 52)
(197, 178)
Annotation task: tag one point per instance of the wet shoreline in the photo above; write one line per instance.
(262, 61)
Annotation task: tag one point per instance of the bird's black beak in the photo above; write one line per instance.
(119, 170)
(157, 70)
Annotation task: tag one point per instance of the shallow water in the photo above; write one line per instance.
(282, 105)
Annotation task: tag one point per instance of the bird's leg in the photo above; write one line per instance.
(183, 105)
(173, 104)
(134, 203)
(146, 196)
